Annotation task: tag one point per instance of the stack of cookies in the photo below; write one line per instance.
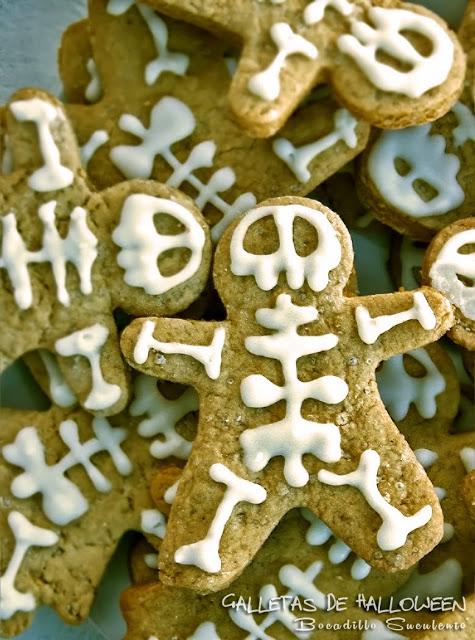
(299, 459)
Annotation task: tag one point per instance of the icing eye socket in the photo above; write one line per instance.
(166, 224)
(425, 190)
(402, 166)
(387, 59)
(421, 44)
(262, 237)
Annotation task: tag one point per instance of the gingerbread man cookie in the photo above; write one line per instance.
(301, 561)
(420, 179)
(81, 514)
(153, 115)
(273, 274)
(449, 266)
(71, 256)
(358, 46)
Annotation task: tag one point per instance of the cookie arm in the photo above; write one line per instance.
(399, 322)
(184, 351)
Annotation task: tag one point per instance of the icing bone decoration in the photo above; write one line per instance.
(294, 46)
(449, 266)
(164, 131)
(66, 264)
(286, 399)
(290, 568)
(77, 482)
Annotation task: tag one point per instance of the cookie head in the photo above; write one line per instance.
(289, 243)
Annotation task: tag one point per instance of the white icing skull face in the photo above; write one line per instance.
(293, 246)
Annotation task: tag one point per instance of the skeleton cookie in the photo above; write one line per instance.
(307, 389)
(298, 562)
(139, 246)
(419, 180)
(174, 124)
(72, 485)
(449, 266)
(291, 46)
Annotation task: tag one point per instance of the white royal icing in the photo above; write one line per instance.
(266, 83)
(170, 494)
(318, 533)
(206, 631)
(166, 60)
(153, 521)
(399, 390)
(162, 417)
(52, 175)
(300, 585)
(62, 500)
(395, 528)
(428, 163)
(142, 244)
(93, 90)
(78, 248)
(26, 535)
(426, 457)
(386, 33)
(293, 436)
(315, 11)
(449, 264)
(265, 268)
(59, 389)
(465, 129)
(171, 121)
(118, 7)
(88, 343)
(209, 355)
(89, 148)
(298, 159)
(467, 455)
(205, 553)
(369, 329)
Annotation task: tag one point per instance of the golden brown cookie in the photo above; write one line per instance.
(358, 46)
(272, 274)
(143, 562)
(163, 108)
(84, 511)
(71, 256)
(420, 387)
(299, 565)
(419, 180)
(449, 267)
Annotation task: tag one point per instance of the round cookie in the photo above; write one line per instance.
(419, 180)
(449, 267)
